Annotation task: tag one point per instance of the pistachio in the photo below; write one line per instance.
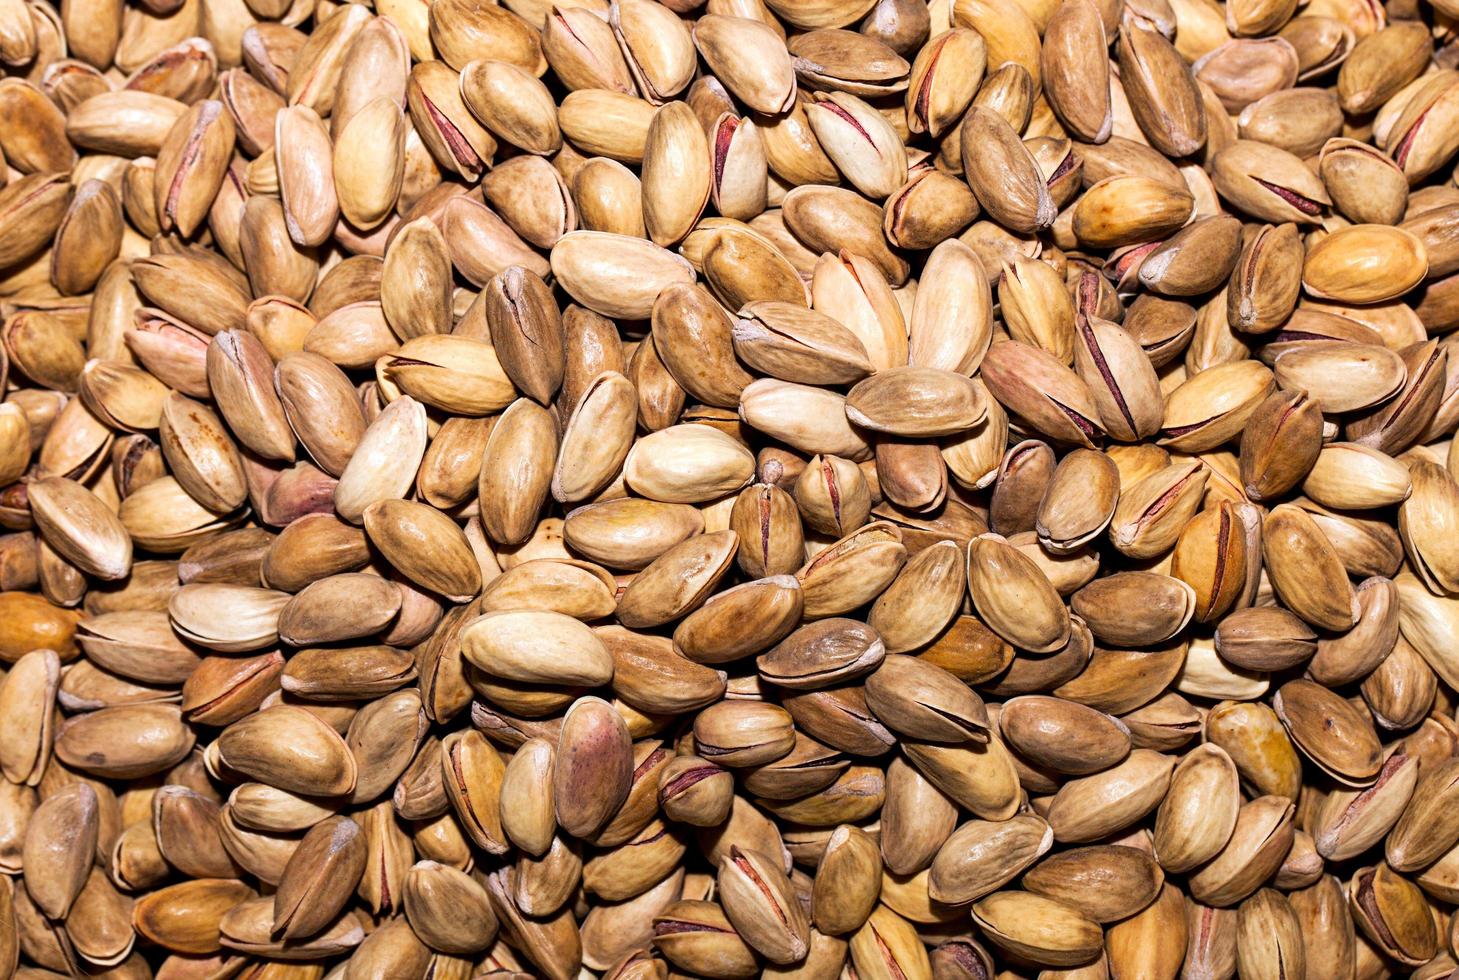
(982, 460)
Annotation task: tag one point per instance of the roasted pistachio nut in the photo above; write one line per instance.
(762, 905)
(1062, 937)
(1393, 913)
(645, 488)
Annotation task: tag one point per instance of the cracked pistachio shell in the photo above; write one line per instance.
(822, 653)
(888, 946)
(848, 61)
(923, 600)
(696, 935)
(1397, 425)
(1268, 935)
(759, 900)
(923, 701)
(1259, 843)
(1425, 828)
(1264, 638)
(1342, 376)
(656, 44)
(862, 144)
(853, 570)
(694, 337)
(319, 878)
(1268, 183)
(1038, 388)
(799, 345)
(743, 733)
(1349, 821)
(1037, 307)
(60, 845)
(979, 776)
(1214, 406)
(1120, 378)
(742, 620)
(1367, 187)
(1422, 520)
(938, 90)
(678, 581)
(1280, 444)
(1078, 501)
(1267, 279)
(596, 439)
(1211, 557)
(1393, 913)
(80, 527)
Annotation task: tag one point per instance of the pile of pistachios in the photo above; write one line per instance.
(868, 489)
